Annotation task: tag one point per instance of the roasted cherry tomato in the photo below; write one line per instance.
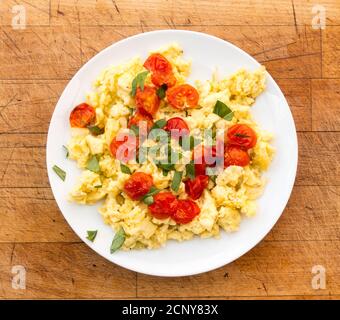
(82, 116)
(147, 100)
(177, 127)
(235, 156)
(186, 211)
(241, 135)
(182, 96)
(138, 185)
(138, 117)
(204, 157)
(161, 70)
(164, 205)
(128, 151)
(195, 187)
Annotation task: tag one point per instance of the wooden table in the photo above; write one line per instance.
(61, 35)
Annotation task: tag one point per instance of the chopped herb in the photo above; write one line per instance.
(166, 166)
(125, 169)
(60, 172)
(193, 142)
(159, 124)
(120, 199)
(135, 129)
(190, 170)
(131, 111)
(213, 178)
(148, 200)
(161, 91)
(95, 130)
(165, 173)
(176, 180)
(118, 240)
(223, 110)
(67, 152)
(91, 235)
(152, 192)
(93, 164)
(241, 135)
(98, 186)
(138, 81)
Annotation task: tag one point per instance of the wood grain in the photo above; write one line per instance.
(319, 160)
(304, 14)
(330, 52)
(39, 52)
(172, 13)
(31, 215)
(61, 35)
(286, 51)
(63, 270)
(271, 268)
(326, 104)
(34, 101)
(37, 12)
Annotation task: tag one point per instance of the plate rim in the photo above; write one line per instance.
(217, 263)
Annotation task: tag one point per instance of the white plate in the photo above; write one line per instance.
(271, 111)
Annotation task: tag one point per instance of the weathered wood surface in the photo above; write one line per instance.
(37, 62)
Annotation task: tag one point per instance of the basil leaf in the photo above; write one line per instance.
(95, 130)
(135, 129)
(118, 240)
(153, 190)
(161, 91)
(223, 110)
(166, 166)
(125, 169)
(148, 200)
(138, 81)
(190, 170)
(91, 235)
(67, 152)
(131, 110)
(176, 180)
(93, 165)
(60, 172)
(213, 178)
(159, 124)
(165, 173)
(241, 135)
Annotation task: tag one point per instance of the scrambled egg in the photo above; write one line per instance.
(222, 204)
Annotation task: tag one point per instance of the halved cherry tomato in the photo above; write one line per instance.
(138, 185)
(186, 211)
(161, 70)
(177, 127)
(194, 188)
(127, 152)
(164, 205)
(147, 100)
(242, 135)
(140, 116)
(235, 156)
(82, 116)
(182, 96)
